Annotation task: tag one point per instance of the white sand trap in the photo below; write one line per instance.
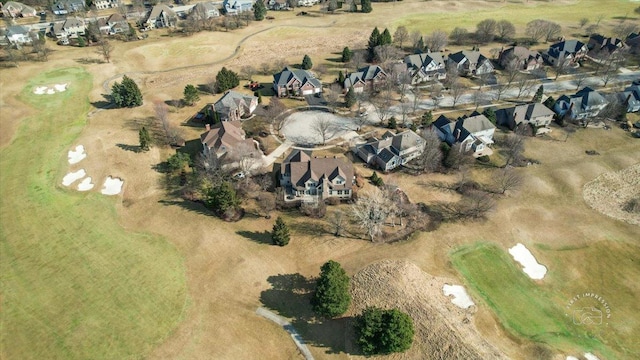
(460, 297)
(532, 268)
(40, 90)
(86, 184)
(51, 91)
(572, 358)
(112, 186)
(75, 156)
(590, 356)
(60, 87)
(71, 177)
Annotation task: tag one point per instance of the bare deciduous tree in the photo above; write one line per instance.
(371, 211)
(324, 128)
(247, 72)
(524, 85)
(506, 179)
(417, 93)
(245, 156)
(431, 158)
(437, 40)
(357, 60)
(513, 147)
(456, 89)
(400, 36)
(266, 203)
(436, 95)
(382, 105)
(273, 113)
(338, 222)
(459, 35)
(536, 29)
(105, 49)
(579, 79)
(505, 30)
(386, 54)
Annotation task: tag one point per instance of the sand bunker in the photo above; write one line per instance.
(460, 297)
(572, 358)
(71, 177)
(532, 268)
(86, 184)
(49, 90)
(75, 156)
(609, 192)
(590, 356)
(112, 186)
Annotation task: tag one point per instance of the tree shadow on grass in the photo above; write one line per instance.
(290, 297)
(308, 228)
(263, 237)
(133, 148)
(188, 205)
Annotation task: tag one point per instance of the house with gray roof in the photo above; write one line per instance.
(63, 7)
(105, 4)
(533, 114)
(307, 178)
(224, 138)
(19, 35)
(392, 150)
(425, 67)
(601, 47)
(370, 76)
(567, 52)
(295, 82)
(203, 11)
(235, 7)
(474, 133)
(584, 104)
(629, 98)
(233, 106)
(521, 57)
(117, 24)
(161, 16)
(470, 63)
(14, 9)
(70, 28)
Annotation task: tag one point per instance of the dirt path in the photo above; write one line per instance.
(290, 329)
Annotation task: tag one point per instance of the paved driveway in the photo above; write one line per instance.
(316, 100)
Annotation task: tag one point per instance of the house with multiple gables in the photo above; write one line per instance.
(601, 47)
(567, 53)
(233, 106)
(369, 76)
(534, 114)
(63, 7)
(633, 43)
(278, 5)
(629, 98)
(313, 179)
(295, 82)
(521, 57)
(584, 104)
(223, 138)
(235, 7)
(70, 28)
(204, 10)
(392, 150)
(161, 16)
(426, 67)
(474, 133)
(106, 4)
(470, 63)
(114, 24)
(14, 9)
(19, 35)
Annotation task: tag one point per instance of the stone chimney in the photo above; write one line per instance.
(207, 127)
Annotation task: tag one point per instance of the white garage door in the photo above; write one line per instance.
(307, 92)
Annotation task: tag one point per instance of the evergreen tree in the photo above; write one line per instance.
(392, 123)
(365, 6)
(419, 46)
(226, 79)
(346, 54)
(353, 7)
(145, 139)
(306, 62)
(490, 114)
(384, 331)
(178, 161)
(126, 94)
(190, 95)
(374, 40)
(341, 78)
(376, 180)
(259, 10)
(427, 118)
(280, 234)
(222, 198)
(331, 297)
(550, 102)
(538, 96)
(259, 97)
(385, 38)
(350, 97)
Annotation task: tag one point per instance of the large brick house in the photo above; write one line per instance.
(295, 82)
(369, 76)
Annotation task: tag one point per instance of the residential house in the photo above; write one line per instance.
(233, 105)
(474, 133)
(565, 53)
(392, 150)
(584, 104)
(371, 76)
(425, 67)
(103, 27)
(224, 138)
(71, 28)
(106, 4)
(278, 5)
(601, 47)
(629, 98)
(523, 58)
(534, 114)
(235, 7)
(312, 179)
(470, 63)
(63, 7)
(117, 24)
(295, 82)
(633, 43)
(18, 35)
(204, 10)
(161, 16)
(307, 3)
(14, 9)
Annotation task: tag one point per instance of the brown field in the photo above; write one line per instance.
(230, 270)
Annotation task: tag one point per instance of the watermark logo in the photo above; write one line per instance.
(588, 309)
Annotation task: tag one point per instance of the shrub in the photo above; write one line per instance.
(380, 332)
(314, 210)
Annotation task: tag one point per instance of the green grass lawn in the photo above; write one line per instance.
(74, 284)
(537, 311)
